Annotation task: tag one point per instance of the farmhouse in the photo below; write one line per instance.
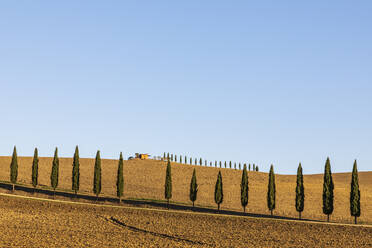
(142, 156)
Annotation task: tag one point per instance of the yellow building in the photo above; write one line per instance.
(142, 155)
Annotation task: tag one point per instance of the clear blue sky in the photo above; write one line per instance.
(266, 82)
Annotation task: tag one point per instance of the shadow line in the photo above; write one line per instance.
(141, 203)
(162, 235)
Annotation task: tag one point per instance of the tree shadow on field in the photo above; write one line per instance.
(162, 235)
(138, 203)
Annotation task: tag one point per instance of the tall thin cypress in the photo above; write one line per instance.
(190, 161)
(244, 188)
(328, 190)
(271, 191)
(355, 194)
(164, 155)
(249, 167)
(55, 172)
(240, 166)
(193, 188)
(300, 191)
(14, 168)
(218, 191)
(168, 184)
(35, 169)
(180, 159)
(225, 164)
(185, 159)
(97, 184)
(120, 178)
(76, 171)
(215, 163)
(230, 164)
(201, 161)
(196, 161)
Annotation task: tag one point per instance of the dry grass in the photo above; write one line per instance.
(34, 223)
(145, 179)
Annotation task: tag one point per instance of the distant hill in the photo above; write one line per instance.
(145, 179)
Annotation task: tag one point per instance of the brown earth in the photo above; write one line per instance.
(145, 179)
(35, 223)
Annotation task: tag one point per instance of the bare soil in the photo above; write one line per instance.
(34, 223)
(145, 179)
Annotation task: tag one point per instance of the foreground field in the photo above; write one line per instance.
(145, 179)
(34, 223)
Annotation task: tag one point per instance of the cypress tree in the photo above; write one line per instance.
(168, 156)
(300, 192)
(271, 190)
(201, 161)
(240, 166)
(14, 168)
(196, 161)
(190, 161)
(193, 188)
(215, 163)
(249, 167)
(185, 159)
(244, 188)
(172, 157)
(180, 159)
(205, 162)
(235, 165)
(76, 171)
(218, 190)
(175, 158)
(210, 163)
(328, 190)
(164, 155)
(168, 184)
(120, 178)
(230, 164)
(35, 169)
(97, 175)
(355, 194)
(225, 164)
(256, 167)
(55, 172)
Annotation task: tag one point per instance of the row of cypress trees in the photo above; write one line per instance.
(328, 185)
(54, 175)
(184, 160)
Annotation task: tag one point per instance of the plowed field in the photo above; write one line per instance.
(145, 179)
(34, 223)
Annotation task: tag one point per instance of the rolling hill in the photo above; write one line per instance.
(32, 222)
(145, 179)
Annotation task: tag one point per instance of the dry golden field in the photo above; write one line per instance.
(35, 223)
(145, 179)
